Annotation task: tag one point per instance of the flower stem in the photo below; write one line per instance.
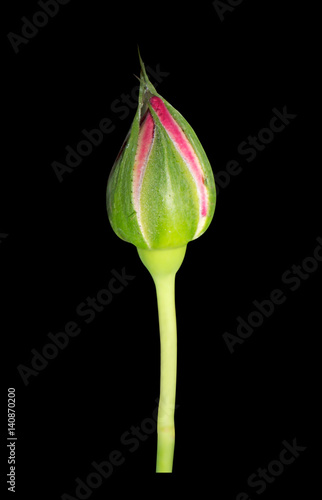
(168, 344)
(163, 265)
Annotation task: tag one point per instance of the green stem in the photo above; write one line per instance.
(163, 265)
(168, 376)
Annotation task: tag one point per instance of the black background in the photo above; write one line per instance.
(234, 410)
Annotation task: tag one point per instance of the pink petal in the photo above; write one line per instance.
(184, 148)
(145, 142)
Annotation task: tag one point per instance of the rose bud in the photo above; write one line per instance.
(161, 189)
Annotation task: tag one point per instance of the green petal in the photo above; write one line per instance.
(169, 199)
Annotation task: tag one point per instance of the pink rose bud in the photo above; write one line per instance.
(161, 189)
